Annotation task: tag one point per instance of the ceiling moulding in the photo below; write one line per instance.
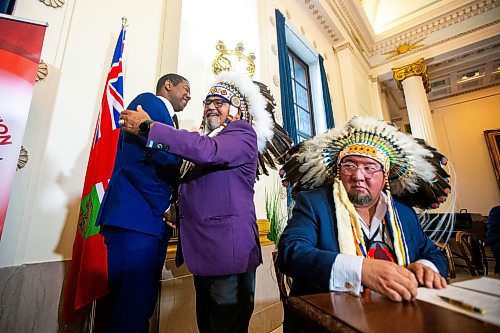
(459, 58)
(350, 18)
(326, 16)
(317, 13)
(464, 92)
(489, 51)
(428, 9)
(439, 43)
(349, 13)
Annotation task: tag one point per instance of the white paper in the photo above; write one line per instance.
(489, 303)
(485, 285)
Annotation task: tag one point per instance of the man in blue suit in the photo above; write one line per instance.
(347, 232)
(493, 235)
(142, 187)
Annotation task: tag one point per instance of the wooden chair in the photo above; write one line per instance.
(445, 248)
(284, 281)
(472, 251)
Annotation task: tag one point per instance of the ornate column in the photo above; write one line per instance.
(384, 104)
(414, 82)
(346, 59)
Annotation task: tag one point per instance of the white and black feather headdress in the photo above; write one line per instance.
(415, 170)
(257, 106)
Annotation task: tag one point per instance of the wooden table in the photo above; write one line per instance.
(341, 312)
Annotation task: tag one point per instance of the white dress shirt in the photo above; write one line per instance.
(169, 106)
(346, 269)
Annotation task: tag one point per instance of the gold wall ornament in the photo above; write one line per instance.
(276, 80)
(343, 47)
(222, 61)
(274, 49)
(404, 48)
(53, 3)
(418, 68)
(42, 71)
(273, 22)
(23, 158)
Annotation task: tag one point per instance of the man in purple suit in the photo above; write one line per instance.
(219, 234)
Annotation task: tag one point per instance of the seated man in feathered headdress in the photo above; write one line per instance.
(351, 229)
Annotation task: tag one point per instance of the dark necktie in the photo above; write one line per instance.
(175, 120)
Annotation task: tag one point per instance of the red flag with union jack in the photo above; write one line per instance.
(88, 274)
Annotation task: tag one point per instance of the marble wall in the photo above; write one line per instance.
(31, 299)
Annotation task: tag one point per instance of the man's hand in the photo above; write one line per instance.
(130, 119)
(426, 276)
(170, 216)
(389, 279)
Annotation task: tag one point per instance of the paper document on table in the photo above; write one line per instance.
(484, 285)
(473, 299)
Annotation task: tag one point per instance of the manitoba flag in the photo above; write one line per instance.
(88, 274)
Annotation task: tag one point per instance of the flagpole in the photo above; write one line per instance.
(92, 317)
(92, 314)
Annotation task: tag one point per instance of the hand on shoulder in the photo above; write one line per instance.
(131, 119)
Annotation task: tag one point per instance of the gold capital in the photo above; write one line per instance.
(417, 68)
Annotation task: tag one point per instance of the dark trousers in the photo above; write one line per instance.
(224, 304)
(135, 262)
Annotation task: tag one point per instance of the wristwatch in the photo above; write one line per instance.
(144, 127)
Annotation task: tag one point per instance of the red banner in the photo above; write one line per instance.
(20, 47)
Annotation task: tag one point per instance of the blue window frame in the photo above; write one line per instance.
(302, 97)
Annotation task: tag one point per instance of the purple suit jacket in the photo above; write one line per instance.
(218, 229)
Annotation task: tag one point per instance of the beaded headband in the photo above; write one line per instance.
(233, 96)
(366, 150)
(243, 95)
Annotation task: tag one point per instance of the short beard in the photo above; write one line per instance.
(360, 199)
(212, 124)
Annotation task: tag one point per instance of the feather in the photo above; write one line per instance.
(417, 175)
(277, 144)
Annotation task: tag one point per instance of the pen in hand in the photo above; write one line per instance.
(462, 304)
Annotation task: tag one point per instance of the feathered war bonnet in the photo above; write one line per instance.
(414, 171)
(242, 94)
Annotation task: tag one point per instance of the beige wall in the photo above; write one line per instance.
(460, 122)
(79, 43)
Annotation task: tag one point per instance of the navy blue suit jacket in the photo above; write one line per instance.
(493, 235)
(308, 246)
(143, 179)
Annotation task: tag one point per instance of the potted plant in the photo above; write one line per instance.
(274, 213)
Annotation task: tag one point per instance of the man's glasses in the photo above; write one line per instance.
(217, 102)
(368, 171)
